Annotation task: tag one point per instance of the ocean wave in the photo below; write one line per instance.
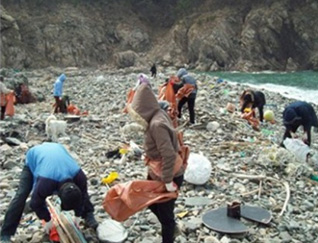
(289, 91)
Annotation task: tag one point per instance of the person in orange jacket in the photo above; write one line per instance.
(3, 92)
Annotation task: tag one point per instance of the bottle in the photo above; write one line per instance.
(314, 177)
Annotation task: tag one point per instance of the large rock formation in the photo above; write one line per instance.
(206, 35)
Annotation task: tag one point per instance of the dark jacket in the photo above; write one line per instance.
(256, 98)
(299, 113)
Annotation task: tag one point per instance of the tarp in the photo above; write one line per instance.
(125, 199)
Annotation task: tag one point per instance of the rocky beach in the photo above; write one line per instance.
(229, 143)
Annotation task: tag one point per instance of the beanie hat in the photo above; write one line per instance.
(181, 72)
(70, 195)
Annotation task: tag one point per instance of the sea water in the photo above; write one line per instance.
(297, 85)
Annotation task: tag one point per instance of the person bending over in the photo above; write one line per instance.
(253, 99)
(49, 169)
(298, 114)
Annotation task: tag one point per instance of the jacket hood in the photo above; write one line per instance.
(181, 72)
(143, 78)
(144, 105)
(290, 116)
(62, 77)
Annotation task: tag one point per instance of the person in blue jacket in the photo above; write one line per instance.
(58, 92)
(298, 114)
(185, 78)
(49, 169)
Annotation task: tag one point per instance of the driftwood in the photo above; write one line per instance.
(69, 229)
(66, 230)
(265, 178)
(63, 237)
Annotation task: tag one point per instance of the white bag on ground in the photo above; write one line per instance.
(298, 148)
(198, 170)
(111, 231)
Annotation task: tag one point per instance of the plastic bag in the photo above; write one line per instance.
(111, 231)
(298, 148)
(198, 170)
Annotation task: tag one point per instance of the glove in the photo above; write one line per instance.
(171, 187)
(48, 226)
(77, 221)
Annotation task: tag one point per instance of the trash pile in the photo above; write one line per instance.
(228, 142)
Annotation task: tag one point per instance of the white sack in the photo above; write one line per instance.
(198, 170)
(298, 148)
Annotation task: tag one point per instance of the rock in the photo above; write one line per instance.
(125, 59)
(8, 165)
(197, 201)
(211, 239)
(5, 147)
(285, 236)
(212, 126)
(12, 141)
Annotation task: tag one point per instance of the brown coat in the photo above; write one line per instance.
(161, 142)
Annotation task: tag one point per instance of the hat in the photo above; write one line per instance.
(70, 195)
(181, 72)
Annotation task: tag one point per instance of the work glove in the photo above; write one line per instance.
(77, 221)
(171, 187)
(48, 226)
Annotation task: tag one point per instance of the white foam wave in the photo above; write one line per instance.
(290, 92)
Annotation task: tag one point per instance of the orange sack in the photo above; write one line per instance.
(130, 96)
(10, 104)
(250, 117)
(125, 199)
(72, 109)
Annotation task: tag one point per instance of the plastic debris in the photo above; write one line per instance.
(110, 178)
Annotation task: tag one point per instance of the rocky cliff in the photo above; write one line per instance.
(248, 35)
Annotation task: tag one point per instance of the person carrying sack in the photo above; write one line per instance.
(189, 93)
(4, 91)
(161, 145)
